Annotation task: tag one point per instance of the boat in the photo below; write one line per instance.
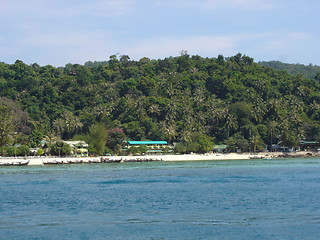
(108, 160)
(256, 157)
(14, 162)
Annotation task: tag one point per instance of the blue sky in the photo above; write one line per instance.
(75, 31)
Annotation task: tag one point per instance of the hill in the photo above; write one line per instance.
(188, 99)
(308, 71)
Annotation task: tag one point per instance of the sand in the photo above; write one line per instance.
(186, 157)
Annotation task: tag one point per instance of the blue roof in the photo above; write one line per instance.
(147, 142)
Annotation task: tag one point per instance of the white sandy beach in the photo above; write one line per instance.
(186, 157)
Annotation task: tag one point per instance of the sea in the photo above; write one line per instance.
(236, 199)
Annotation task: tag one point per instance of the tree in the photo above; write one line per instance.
(6, 125)
(98, 138)
(173, 99)
(205, 143)
(199, 143)
(67, 124)
(35, 137)
(14, 123)
(61, 149)
(256, 143)
(51, 137)
(272, 130)
(23, 150)
(231, 123)
(115, 139)
(237, 141)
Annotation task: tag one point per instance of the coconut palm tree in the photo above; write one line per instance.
(272, 130)
(51, 138)
(231, 123)
(67, 123)
(255, 141)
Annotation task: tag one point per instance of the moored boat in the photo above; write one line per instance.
(14, 162)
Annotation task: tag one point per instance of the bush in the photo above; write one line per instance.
(23, 150)
(60, 149)
(40, 152)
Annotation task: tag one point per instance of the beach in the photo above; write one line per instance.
(146, 158)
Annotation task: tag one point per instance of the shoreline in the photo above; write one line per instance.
(32, 161)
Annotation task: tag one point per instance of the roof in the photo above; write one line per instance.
(310, 142)
(77, 143)
(220, 146)
(147, 142)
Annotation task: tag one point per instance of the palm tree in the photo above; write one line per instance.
(275, 106)
(258, 112)
(255, 141)
(272, 130)
(315, 107)
(168, 129)
(231, 123)
(68, 123)
(51, 138)
(154, 110)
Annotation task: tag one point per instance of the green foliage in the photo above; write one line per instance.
(14, 123)
(60, 149)
(186, 99)
(200, 143)
(40, 152)
(23, 150)
(97, 138)
(14, 151)
(137, 150)
(308, 71)
(35, 137)
(115, 139)
(237, 143)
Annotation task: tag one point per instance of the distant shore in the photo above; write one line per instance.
(185, 157)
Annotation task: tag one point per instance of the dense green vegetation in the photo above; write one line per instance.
(187, 99)
(308, 71)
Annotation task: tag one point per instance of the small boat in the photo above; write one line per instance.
(108, 160)
(14, 163)
(256, 157)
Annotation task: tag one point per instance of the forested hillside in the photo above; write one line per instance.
(188, 99)
(308, 71)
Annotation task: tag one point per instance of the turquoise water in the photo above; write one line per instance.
(252, 199)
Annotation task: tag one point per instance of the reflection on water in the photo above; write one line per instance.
(253, 199)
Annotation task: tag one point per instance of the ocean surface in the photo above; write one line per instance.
(249, 199)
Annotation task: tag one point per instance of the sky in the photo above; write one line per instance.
(59, 32)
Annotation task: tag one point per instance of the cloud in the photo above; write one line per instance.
(78, 47)
(256, 45)
(57, 32)
(64, 47)
(280, 41)
(164, 47)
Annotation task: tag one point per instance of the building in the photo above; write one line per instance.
(151, 147)
(309, 145)
(78, 148)
(220, 148)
